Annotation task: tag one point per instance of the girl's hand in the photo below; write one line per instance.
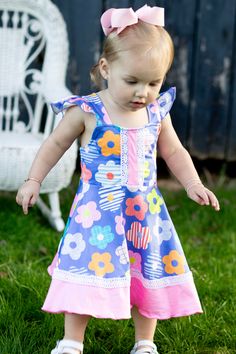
(27, 195)
(203, 196)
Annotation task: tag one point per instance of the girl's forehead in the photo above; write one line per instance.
(142, 63)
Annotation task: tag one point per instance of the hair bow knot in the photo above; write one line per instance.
(119, 19)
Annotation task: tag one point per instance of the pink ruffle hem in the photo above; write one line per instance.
(115, 303)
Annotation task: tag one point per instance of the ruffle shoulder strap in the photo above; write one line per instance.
(68, 102)
(165, 101)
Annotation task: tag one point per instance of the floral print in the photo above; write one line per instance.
(136, 207)
(110, 143)
(108, 174)
(140, 236)
(101, 264)
(86, 174)
(119, 225)
(146, 169)
(120, 222)
(122, 253)
(162, 229)
(87, 214)
(101, 236)
(135, 260)
(73, 246)
(74, 204)
(174, 263)
(155, 202)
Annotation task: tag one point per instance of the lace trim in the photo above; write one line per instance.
(162, 282)
(91, 280)
(141, 154)
(124, 156)
(112, 283)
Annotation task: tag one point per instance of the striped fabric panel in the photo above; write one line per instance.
(89, 153)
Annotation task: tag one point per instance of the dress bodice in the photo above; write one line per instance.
(121, 156)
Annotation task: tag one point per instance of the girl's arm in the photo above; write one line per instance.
(69, 128)
(180, 163)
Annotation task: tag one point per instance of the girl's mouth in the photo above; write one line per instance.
(137, 104)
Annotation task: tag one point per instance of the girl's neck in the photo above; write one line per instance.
(122, 117)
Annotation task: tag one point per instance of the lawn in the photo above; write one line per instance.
(27, 245)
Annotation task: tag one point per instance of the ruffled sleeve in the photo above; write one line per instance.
(165, 101)
(68, 102)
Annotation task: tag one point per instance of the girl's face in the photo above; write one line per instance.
(134, 80)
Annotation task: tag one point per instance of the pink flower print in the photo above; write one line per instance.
(140, 236)
(135, 260)
(105, 116)
(136, 207)
(120, 222)
(87, 214)
(86, 174)
(86, 108)
(73, 207)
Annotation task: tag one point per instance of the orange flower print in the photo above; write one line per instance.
(136, 207)
(101, 264)
(110, 143)
(174, 263)
(86, 174)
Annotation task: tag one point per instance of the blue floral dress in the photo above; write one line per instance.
(120, 248)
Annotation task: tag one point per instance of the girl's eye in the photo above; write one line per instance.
(131, 82)
(154, 84)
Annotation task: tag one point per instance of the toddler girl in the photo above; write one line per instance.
(120, 254)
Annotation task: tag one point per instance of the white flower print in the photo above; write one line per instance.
(162, 229)
(108, 174)
(122, 253)
(149, 141)
(73, 246)
(85, 189)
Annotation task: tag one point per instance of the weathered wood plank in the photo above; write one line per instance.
(183, 39)
(136, 4)
(116, 3)
(180, 73)
(230, 145)
(204, 71)
(82, 18)
(211, 79)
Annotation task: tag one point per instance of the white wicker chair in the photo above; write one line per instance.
(33, 63)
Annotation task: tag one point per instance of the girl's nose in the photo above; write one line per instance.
(141, 91)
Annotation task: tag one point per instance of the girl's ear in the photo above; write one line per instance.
(104, 68)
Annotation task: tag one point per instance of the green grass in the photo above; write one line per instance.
(27, 245)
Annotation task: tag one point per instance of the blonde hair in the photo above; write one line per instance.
(142, 37)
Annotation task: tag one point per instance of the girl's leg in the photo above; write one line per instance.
(75, 326)
(144, 327)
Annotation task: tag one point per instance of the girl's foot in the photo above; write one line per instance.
(144, 347)
(67, 346)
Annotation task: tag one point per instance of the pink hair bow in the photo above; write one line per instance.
(121, 18)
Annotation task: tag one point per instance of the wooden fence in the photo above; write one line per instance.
(204, 69)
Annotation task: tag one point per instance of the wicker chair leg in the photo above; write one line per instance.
(53, 214)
